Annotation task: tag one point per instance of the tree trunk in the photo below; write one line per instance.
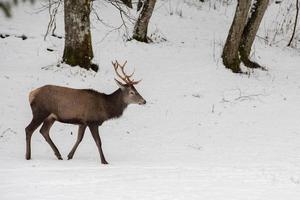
(78, 47)
(141, 26)
(128, 3)
(230, 53)
(257, 12)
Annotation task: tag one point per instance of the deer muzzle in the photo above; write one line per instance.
(143, 102)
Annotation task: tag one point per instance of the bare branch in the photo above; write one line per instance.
(52, 14)
(295, 23)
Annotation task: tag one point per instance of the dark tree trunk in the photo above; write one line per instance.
(141, 26)
(242, 34)
(251, 28)
(128, 3)
(295, 23)
(78, 47)
(230, 53)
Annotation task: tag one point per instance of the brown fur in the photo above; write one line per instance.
(32, 94)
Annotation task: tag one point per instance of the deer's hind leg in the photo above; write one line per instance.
(48, 122)
(33, 125)
(80, 135)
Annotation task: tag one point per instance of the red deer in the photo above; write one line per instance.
(84, 107)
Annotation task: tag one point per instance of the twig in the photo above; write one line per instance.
(125, 17)
(295, 24)
(122, 12)
(101, 20)
(109, 32)
(52, 21)
(241, 97)
(245, 97)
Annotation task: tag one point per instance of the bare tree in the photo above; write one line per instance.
(6, 6)
(242, 34)
(256, 14)
(78, 43)
(231, 49)
(141, 26)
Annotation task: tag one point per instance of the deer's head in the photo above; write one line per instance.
(130, 94)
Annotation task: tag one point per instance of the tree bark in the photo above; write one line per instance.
(257, 12)
(78, 47)
(141, 26)
(128, 3)
(230, 53)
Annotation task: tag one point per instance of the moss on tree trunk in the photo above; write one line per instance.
(78, 43)
(80, 54)
(230, 53)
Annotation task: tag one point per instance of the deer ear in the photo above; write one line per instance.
(120, 85)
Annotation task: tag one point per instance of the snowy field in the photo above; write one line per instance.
(205, 132)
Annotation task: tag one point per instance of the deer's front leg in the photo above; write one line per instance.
(96, 136)
(80, 135)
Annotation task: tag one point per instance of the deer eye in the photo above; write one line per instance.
(131, 92)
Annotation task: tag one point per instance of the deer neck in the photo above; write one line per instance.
(115, 104)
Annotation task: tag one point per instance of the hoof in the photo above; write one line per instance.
(27, 157)
(70, 156)
(104, 162)
(59, 158)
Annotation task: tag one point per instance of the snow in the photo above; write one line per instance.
(205, 133)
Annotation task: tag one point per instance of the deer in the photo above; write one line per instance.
(82, 107)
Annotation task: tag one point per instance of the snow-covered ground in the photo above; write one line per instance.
(205, 133)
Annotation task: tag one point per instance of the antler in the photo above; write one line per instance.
(124, 76)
